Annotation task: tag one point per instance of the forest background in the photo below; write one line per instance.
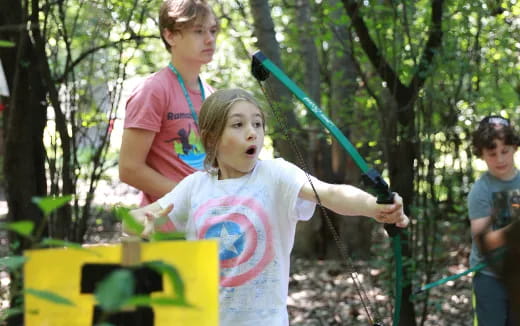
(406, 81)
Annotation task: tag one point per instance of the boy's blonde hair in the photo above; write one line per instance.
(177, 15)
(213, 118)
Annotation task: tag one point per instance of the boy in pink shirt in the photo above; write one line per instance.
(161, 141)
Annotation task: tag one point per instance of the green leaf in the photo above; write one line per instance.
(49, 204)
(130, 223)
(50, 296)
(10, 312)
(67, 244)
(6, 44)
(12, 262)
(164, 236)
(23, 228)
(115, 290)
(142, 300)
(173, 276)
(60, 243)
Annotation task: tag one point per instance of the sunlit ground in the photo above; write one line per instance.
(323, 293)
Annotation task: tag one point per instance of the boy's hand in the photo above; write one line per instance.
(392, 213)
(150, 221)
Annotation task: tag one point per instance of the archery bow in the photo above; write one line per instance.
(499, 254)
(262, 67)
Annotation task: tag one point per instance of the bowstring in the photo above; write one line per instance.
(354, 275)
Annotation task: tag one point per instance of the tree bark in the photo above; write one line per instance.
(356, 232)
(277, 94)
(308, 238)
(26, 115)
(397, 119)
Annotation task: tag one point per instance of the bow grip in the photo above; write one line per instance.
(391, 229)
(384, 196)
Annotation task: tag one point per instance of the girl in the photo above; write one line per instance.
(252, 206)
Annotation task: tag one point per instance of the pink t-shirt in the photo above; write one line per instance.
(158, 104)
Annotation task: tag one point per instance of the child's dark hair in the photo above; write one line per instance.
(490, 129)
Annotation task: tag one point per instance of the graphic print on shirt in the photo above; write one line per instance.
(188, 147)
(506, 208)
(245, 237)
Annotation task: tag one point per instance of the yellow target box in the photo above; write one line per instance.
(74, 274)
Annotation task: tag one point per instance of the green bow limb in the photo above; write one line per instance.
(262, 67)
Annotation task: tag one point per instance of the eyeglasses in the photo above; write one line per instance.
(494, 120)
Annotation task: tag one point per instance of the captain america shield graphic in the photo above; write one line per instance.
(245, 237)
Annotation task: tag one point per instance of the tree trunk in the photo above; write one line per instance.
(26, 114)
(309, 242)
(398, 117)
(24, 163)
(355, 232)
(277, 93)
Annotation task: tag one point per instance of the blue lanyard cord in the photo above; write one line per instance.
(186, 95)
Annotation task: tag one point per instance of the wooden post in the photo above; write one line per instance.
(130, 251)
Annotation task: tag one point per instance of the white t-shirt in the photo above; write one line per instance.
(254, 217)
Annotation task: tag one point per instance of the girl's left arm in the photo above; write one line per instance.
(352, 201)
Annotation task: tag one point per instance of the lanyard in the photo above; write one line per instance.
(186, 95)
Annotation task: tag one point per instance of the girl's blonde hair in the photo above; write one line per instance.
(213, 118)
(177, 15)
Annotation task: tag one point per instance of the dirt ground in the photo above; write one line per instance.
(321, 293)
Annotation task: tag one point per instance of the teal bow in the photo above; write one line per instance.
(261, 68)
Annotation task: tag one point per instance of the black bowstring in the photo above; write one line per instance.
(365, 300)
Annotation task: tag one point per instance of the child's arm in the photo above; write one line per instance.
(147, 216)
(493, 238)
(350, 200)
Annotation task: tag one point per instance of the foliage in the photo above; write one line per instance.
(473, 74)
(47, 205)
(113, 293)
(49, 296)
(94, 46)
(134, 227)
(88, 45)
(6, 44)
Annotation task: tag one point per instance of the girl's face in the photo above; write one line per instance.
(500, 160)
(241, 141)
